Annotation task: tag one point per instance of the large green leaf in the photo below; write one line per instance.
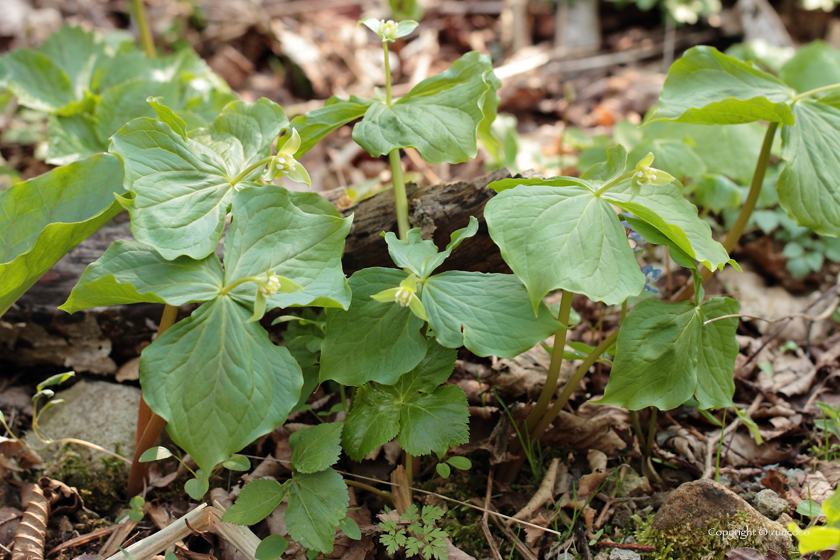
(77, 53)
(432, 420)
(809, 187)
(317, 502)
(439, 117)
(127, 101)
(72, 138)
(490, 314)
(316, 448)
(183, 186)
(256, 502)
(666, 356)
(815, 65)
(43, 218)
(372, 341)
(218, 381)
(556, 234)
(299, 236)
(130, 272)
(422, 256)
(335, 113)
(706, 86)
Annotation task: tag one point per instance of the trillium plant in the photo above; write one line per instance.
(196, 171)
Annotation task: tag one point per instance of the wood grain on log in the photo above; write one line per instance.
(34, 332)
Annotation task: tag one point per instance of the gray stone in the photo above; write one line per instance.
(623, 554)
(770, 504)
(94, 411)
(634, 485)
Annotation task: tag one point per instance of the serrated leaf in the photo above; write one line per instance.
(155, 454)
(666, 356)
(545, 228)
(706, 86)
(61, 208)
(218, 381)
(317, 502)
(238, 463)
(261, 240)
(422, 256)
(317, 447)
(131, 272)
(374, 420)
(429, 422)
(183, 187)
(335, 113)
(808, 186)
(439, 117)
(372, 341)
(435, 368)
(256, 502)
(490, 314)
(271, 548)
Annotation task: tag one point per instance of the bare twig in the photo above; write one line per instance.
(730, 429)
(494, 548)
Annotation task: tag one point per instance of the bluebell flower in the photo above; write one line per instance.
(635, 237)
(651, 276)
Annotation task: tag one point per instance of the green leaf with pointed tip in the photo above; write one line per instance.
(56, 379)
(666, 208)
(335, 113)
(256, 502)
(373, 421)
(666, 355)
(238, 463)
(815, 65)
(372, 341)
(131, 272)
(317, 503)
(44, 218)
(155, 454)
(271, 548)
(430, 373)
(218, 382)
(77, 53)
(183, 187)
(611, 169)
(490, 314)
(422, 256)
(545, 230)
(72, 138)
(653, 235)
(706, 86)
(316, 448)
(808, 187)
(260, 239)
(439, 117)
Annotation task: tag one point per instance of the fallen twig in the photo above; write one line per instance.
(494, 548)
(83, 539)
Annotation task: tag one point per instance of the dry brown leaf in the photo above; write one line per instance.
(831, 471)
(525, 374)
(532, 534)
(752, 554)
(792, 375)
(571, 430)
(741, 450)
(816, 487)
(543, 494)
(129, 371)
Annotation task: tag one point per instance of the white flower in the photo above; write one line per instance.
(405, 296)
(271, 286)
(646, 175)
(389, 31)
(284, 163)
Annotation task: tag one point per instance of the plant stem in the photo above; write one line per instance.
(236, 283)
(139, 9)
(400, 197)
(720, 447)
(651, 432)
(344, 399)
(367, 487)
(409, 467)
(613, 183)
(149, 424)
(815, 91)
(250, 168)
(746, 211)
(550, 386)
(637, 427)
(387, 73)
(570, 387)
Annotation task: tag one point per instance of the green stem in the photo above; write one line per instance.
(613, 183)
(550, 386)
(746, 211)
(248, 171)
(381, 493)
(146, 38)
(236, 283)
(651, 432)
(720, 447)
(809, 93)
(564, 397)
(387, 73)
(344, 399)
(400, 196)
(637, 426)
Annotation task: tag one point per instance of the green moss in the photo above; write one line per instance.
(685, 542)
(101, 490)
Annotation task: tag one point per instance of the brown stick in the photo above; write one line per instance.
(628, 546)
(83, 539)
(32, 531)
(494, 548)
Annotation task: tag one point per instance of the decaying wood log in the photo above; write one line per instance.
(34, 332)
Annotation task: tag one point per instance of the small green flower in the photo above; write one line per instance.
(284, 163)
(389, 31)
(405, 295)
(268, 287)
(646, 175)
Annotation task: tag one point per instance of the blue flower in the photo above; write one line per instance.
(635, 237)
(651, 276)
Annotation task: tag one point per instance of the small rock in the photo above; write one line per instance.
(749, 497)
(697, 507)
(770, 504)
(634, 485)
(622, 516)
(658, 499)
(95, 411)
(623, 554)
(602, 556)
(793, 477)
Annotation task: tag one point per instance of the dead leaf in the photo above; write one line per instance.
(792, 375)
(685, 444)
(543, 494)
(816, 487)
(752, 554)
(831, 471)
(571, 430)
(525, 374)
(741, 450)
(455, 553)
(775, 482)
